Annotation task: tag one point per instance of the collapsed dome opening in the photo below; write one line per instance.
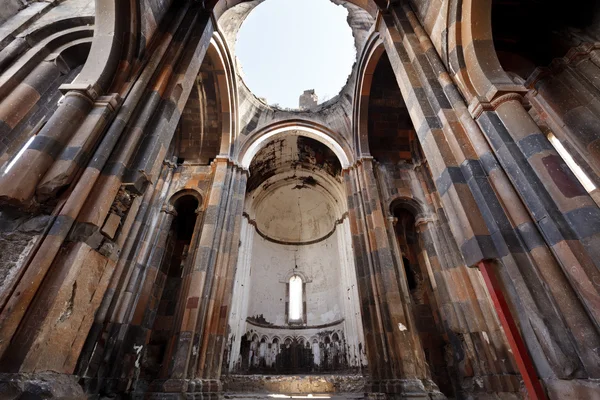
(296, 53)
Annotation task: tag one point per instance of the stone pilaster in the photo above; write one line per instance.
(396, 360)
(205, 302)
(505, 191)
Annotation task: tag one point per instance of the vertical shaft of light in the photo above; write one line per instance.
(562, 151)
(295, 312)
(19, 154)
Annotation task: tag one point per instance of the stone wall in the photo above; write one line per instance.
(10, 8)
(273, 262)
(485, 209)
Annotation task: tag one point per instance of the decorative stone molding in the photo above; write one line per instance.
(479, 107)
(288, 243)
(294, 272)
(170, 163)
(88, 91)
(558, 65)
(342, 218)
(425, 219)
(111, 101)
(169, 209)
(294, 327)
(232, 162)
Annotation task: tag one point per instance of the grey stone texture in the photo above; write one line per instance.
(149, 231)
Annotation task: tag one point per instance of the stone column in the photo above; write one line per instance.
(22, 99)
(355, 338)
(396, 360)
(111, 317)
(480, 352)
(215, 330)
(76, 154)
(514, 206)
(205, 301)
(564, 212)
(18, 185)
(241, 291)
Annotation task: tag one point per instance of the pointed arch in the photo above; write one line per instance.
(209, 121)
(367, 63)
(113, 19)
(473, 59)
(331, 139)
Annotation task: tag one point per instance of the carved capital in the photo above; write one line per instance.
(169, 210)
(170, 163)
(90, 92)
(424, 220)
(110, 101)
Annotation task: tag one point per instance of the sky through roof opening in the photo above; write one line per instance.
(286, 47)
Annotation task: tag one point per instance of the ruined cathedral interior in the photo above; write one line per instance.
(430, 232)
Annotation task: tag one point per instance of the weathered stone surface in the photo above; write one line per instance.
(294, 384)
(40, 386)
(62, 335)
(111, 225)
(169, 267)
(18, 235)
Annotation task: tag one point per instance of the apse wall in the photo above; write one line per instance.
(330, 337)
(273, 265)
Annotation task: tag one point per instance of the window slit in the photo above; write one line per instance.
(295, 305)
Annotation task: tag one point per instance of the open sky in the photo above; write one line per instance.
(288, 46)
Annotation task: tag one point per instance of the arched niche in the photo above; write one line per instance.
(208, 123)
(383, 126)
(110, 45)
(408, 214)
(178, 253)
(391, 134)
(373, 52)
(552, 51)
(527, 36)
(495, 39)
(473, 60)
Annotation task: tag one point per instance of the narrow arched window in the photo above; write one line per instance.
(295, 310)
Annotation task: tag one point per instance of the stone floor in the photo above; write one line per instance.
(294, 387)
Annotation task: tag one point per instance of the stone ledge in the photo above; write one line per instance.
(302, 384)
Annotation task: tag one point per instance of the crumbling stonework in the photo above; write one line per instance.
(308, 100)
(47, 385)
(431, 232)
(19, 234)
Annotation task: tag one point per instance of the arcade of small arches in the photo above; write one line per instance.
(431, 232)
